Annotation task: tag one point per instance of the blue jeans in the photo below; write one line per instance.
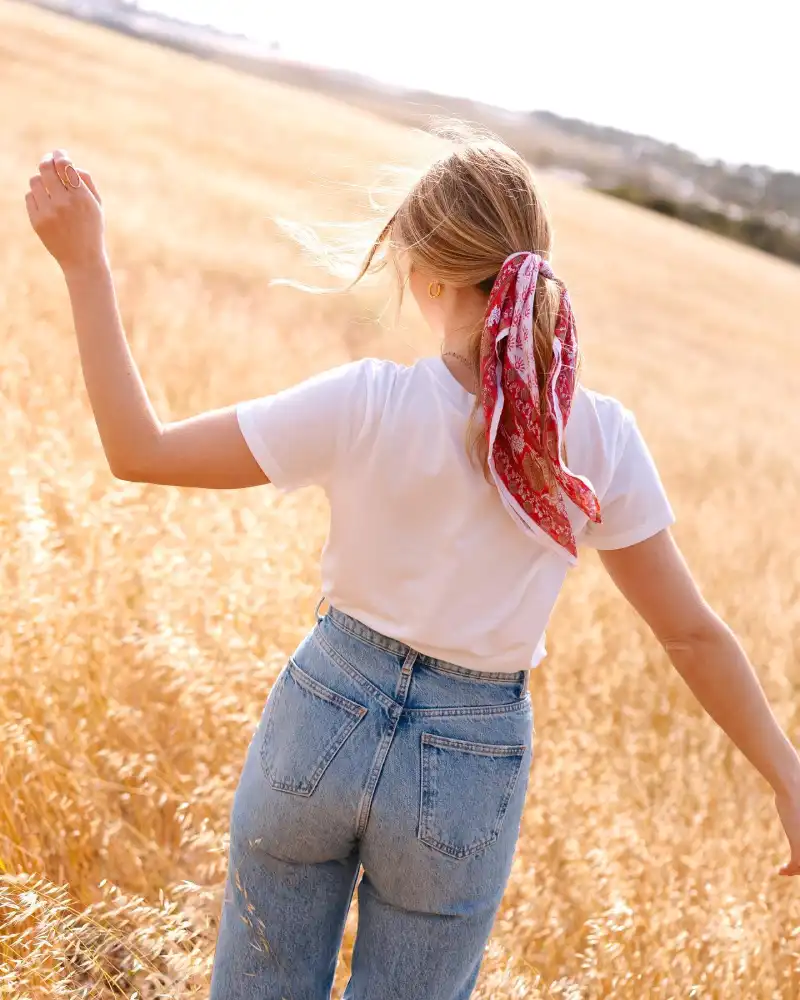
(370, 756)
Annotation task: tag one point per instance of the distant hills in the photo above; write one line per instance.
(750, 203)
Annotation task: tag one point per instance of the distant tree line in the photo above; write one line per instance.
(610, 160)
(751, 229)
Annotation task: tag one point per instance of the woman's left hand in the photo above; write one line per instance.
(66, 213)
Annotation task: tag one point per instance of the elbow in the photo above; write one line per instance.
(693, 640)
(126, 475)
(127, 471)
(137, 461)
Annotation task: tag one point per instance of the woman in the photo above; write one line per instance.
(397, 740)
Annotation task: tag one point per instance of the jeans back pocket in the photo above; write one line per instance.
(466, 788)
(307, 725)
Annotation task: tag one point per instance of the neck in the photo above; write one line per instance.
(458, 364)
(460, 324)
(458, 339)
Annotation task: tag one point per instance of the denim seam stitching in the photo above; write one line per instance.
(427, 713)
(374, 778)
(459, 853)
(429, 782)
(404, 680)
(312, 685)
(444, 713)
(423, 804)
(307, 788)
(465, 746)
(355, 712)
(399, 650)
(489, 676)
(369, 688)
(509, 792)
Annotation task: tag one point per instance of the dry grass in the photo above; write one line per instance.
(141, 627)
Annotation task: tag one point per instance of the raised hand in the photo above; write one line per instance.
(66, 212)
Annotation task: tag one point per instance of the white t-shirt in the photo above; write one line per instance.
(420, 546)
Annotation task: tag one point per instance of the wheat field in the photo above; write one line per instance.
(141, 626)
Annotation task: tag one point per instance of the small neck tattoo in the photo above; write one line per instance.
(460, 357)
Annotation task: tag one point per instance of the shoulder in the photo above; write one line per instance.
(358, 384)
(596, 414)
(608, 410)
(379, 382)
(363, 370)
(598, 429)
(616, 459)
(365, 389)
(376, 373)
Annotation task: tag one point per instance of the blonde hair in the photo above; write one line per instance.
(471, 209)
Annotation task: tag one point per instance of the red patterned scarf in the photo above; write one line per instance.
(519, 439)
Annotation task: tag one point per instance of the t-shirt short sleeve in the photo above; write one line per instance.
(298, 435)
(635, 505)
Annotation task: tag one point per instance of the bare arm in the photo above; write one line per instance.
(207, 450)
(655, 579)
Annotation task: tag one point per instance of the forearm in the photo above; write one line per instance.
(719, 674)
(128, 425)
(65, 210)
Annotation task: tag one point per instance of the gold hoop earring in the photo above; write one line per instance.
(435, 294)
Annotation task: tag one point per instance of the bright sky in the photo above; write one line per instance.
(719, 78)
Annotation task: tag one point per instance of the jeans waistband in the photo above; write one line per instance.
(368, 634)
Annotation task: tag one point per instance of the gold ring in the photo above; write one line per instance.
(68, 179)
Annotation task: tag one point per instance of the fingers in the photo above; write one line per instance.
(52, 179)
(86, 177)
(66, 172)
(72, 177)
(64, 207)
(61, 176)
(59, 179)
(30, 204)
(38, 192)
